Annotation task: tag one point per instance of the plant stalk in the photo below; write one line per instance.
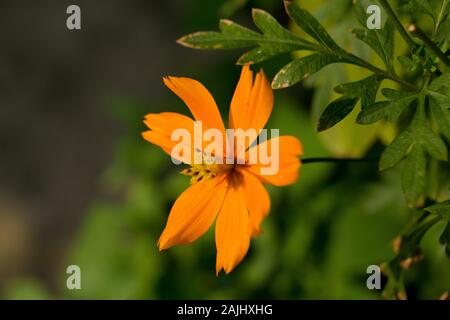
(417, 32)
(397, 23)
(336, 160)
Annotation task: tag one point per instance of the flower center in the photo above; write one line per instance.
(208, 169)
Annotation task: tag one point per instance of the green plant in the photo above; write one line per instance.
(417, 104)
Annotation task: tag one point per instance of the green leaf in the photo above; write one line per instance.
(261, 54)
(441, 209)
(407, 62)
(311, 26)
(396, 151)
(381, 109)
(232, 36)
(422, 6)
(274, 39)
(442, 25)
(301, 68)
(441, 86)
(432, 143)
(414, 176)
(335, 112)
(439, 98)
(393, 94)
(380, 40)
(442, 115)
(269, 26)
(366, 89)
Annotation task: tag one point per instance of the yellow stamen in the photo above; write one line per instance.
(207, 170)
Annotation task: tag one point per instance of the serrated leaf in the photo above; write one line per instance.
(382, 109)
(414, 176)
(380, 40)
(261, 54)
(441, 86)
(423, 6)
(301, 68)
(232, 36)
(360, 10)
(441, 209)
(393, 94)
(311, 26)
(366, 89)
(274, 39)
(269, 25)
(271, 29)
(335, 112)
(432, 143)
(442, 115)
(396, 151)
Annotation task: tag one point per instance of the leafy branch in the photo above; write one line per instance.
(420, 109)
(419, 140)
(274, 39)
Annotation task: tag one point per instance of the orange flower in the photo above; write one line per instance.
(232, 195)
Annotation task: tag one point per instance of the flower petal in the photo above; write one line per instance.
(193, 212)
(257, 200)
(198, 99)
(252, 103)
(232, 230)
(287, 163)
(162, 125)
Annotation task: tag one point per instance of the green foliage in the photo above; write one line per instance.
(312, 27)
(401, 104)
(313, 246)
(442, 209)
(418, 106)
(422, 6)
(365, 89)
(408, 252)
(380, 40)
(302, 68)
(335, 112)
(390, 109)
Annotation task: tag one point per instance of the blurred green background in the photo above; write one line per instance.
(78, 184)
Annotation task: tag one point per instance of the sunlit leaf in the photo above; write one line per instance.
(311, 26)
(301, 68)
(380, 40)
(274, 38)
(232, 36)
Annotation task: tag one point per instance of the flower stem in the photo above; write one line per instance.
(397, 23)
(440, 17)
(386, 74)
(415, 30)
(336, 160)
